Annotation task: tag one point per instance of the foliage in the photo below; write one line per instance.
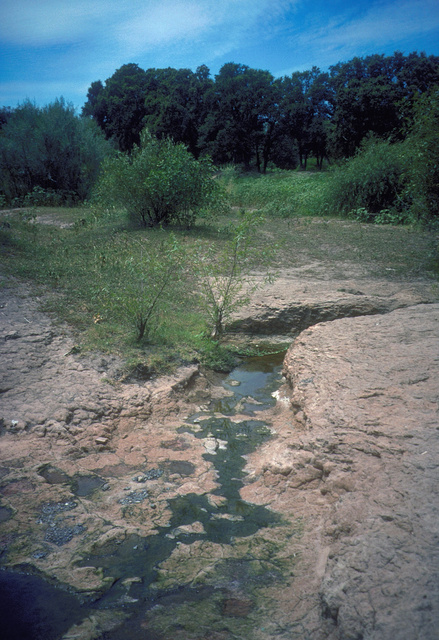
(280, 194)
(118, 107)
(240, 113)
(247, 117)
(175, 104)
(372, 181)
(305, 112)
(374, 95)
(159, 183)
(49, 152)
(141, 274)
(422, 154)
(225, 275)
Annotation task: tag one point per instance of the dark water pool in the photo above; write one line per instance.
(31, 609)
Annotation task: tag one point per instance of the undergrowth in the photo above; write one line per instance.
(94, 272)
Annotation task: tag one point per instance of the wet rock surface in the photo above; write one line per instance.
(90, 467)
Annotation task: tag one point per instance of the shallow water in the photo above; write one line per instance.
(252, 386)
(31, 609)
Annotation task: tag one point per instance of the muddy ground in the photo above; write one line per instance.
(352, 467)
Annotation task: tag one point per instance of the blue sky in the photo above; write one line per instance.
(54, 48)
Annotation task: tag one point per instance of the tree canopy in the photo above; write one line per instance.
(246, 116)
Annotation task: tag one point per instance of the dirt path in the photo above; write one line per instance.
(353, 459)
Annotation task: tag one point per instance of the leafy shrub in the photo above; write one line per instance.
(159, 183)
(136, 280)
(225, 275)
(49, 156)
(422, 157)
(372, 181)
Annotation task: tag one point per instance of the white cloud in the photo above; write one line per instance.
(162, 23)
(384, 23)
(134, 26)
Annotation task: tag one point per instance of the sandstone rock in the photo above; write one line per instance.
(291, 304)
(356, 457)
(352, 465)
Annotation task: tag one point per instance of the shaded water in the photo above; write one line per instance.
(31, 609)
(251, 386)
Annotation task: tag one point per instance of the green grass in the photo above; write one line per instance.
(91, 272)
(278, 193)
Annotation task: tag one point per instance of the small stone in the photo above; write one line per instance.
(101, 440)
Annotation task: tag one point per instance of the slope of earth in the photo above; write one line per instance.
(357, 457)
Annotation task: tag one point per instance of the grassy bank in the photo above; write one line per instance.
(95, 272)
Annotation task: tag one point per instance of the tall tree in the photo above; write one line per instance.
(239, 105)
(375, 95)
(305, 112)
(175, 104)
(119, 106)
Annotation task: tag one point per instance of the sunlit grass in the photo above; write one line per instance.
(74, 265)
(278, 193)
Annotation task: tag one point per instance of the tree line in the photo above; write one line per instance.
(242, 116)
(246, 116)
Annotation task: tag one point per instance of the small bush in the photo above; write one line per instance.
(225, 275)
(370, 183)
(137, 280)
(159, 183)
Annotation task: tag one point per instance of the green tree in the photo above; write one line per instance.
(95, 107)
(375, 95)
(119, 106)
(422, 156)
(5, 114)
(239, 112)
(51, 150)
(21, 152)
(175, 104)
(158, 183)
(305, 112)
